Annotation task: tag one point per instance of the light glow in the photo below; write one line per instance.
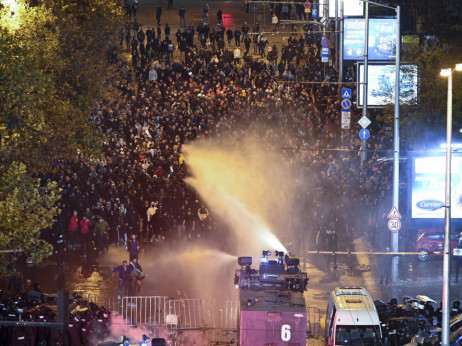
(445, 72)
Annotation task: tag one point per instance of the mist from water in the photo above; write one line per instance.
(249, 187)
(182, 270)
(255, 192)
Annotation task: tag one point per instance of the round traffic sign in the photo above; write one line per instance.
(394, 225)
(307, 5)
(325, 42)
(364, 134)
(346, 104)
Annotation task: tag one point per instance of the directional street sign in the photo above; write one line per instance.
(346, 93)
(394, 213)
(324, 54)
(346, 119)
(346, 104)
(364, 134)
(394, 225)
(364, 122)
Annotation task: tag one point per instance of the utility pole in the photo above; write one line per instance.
(366, 57)
(340, 50)
(395, 235)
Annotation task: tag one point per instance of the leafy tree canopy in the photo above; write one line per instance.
(53, 68)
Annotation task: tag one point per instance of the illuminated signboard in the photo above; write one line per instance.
(351, 8)
(426, 200)
(381, 84)
(382, 39)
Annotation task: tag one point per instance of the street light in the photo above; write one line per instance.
(394, 237)
(447, 72)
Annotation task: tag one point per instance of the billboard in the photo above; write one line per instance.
(351, 8)
(382, 39)
(426, 200)
(381, 84)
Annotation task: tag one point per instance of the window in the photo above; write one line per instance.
(434, 236)
(357, 335)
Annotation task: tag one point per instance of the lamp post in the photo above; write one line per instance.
(447, 210)
(366, 76)
(395, 235)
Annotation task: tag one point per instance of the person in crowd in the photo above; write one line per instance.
(245, 31)
(274, 22)
(85, 236)
(138, 275)
(101, 233)
(166, 32)
(60, 249)
(124, 278)
(73, 231)
(220, 16)
(134, 247)
(385, 276)
(237, 54)
(158, 13)
(237, 37)
(181, 14)
(135, 8)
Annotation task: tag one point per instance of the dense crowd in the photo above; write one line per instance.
(206, 90)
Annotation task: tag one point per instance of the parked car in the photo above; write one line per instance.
(432, 240)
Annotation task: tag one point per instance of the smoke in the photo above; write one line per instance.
(250, 187)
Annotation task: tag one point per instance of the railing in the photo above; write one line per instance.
(144, 310)
(314, 322)
(229, 315)
(201, 314)
(110, 303)
(187, 314)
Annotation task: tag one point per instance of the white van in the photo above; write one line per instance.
(351, 318)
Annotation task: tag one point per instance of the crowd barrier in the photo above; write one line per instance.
(187, 314)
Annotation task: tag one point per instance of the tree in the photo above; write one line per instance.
(26, 208)
(53, 68)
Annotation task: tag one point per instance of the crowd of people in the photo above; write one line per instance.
(284, 94)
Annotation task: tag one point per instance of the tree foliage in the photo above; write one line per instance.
(26, 208)
(442, 22)
(53, 68)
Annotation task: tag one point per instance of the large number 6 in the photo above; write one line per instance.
(285, 332)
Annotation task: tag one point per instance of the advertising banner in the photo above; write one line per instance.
(427, 187)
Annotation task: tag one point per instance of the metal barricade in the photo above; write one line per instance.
(188, 314)
(144, 310)
(229, 315)
(110, 303)
(314, 322)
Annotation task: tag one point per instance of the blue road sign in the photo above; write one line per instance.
(325, 52)
(364, 134)
(346, 93)
(325, 42)
(346, 104)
